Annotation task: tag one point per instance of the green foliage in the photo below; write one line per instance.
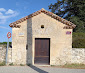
(28, 64)
(78, 40)
(73, 10)
(74, 65)
(1, 42)
(80, 24)
(11, 64)
(22, 65)
(2, 63)
(52, 65)
(5, 43)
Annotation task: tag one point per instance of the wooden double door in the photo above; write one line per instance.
(42, 51)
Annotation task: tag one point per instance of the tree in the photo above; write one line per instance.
(73, 10)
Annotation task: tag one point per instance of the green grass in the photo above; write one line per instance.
(79, 66)
(72, 66)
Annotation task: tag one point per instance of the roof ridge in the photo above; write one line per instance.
(45, 12)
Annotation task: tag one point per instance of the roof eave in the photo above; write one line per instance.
(46, 12)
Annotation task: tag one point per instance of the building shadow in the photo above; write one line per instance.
(29, 48)
(37, 69)
(29, 42)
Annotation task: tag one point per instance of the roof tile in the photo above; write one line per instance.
(70, 24)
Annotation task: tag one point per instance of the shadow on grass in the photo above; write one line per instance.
(38, 69)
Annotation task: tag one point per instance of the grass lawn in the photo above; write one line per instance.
(72, 66)
(75, 66)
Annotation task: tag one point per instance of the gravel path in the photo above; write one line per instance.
(35, 69)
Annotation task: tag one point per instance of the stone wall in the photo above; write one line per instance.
(78, 55)
(3, 54)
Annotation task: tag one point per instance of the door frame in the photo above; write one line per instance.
(34, 50)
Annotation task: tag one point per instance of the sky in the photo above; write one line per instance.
(12, 10)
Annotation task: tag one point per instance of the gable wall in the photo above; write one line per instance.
(60, 43)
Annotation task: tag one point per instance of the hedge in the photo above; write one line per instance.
(78, 40)
(5, 43)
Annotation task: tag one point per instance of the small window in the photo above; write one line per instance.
(42, 26)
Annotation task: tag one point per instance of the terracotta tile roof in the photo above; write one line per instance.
(69, 25)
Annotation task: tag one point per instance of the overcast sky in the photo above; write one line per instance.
(12, 10)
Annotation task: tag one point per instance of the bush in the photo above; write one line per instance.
(22, 65)
(28, 64)
(78, 40)
(2, 63)
(11, 64)
(5, 43)
(1, 42)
